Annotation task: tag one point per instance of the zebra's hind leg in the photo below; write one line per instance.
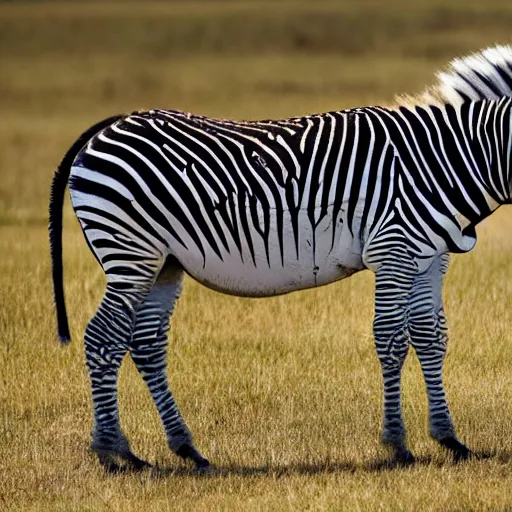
(106, 342)
(429, 336)
(148, 349)
(393, 283)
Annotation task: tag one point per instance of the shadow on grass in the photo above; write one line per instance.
(325, 468)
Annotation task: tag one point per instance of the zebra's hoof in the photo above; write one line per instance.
(404, 457)
(459, 451)
(189, 452)
(136, 463)
(203, 466)
(112, 461)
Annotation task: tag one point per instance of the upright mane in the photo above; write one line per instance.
(483, 75)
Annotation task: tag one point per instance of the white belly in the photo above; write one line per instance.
(319, 261)
(250, 281)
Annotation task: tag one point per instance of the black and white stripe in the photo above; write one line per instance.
(268, 207)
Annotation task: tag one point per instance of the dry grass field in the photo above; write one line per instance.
(283, 395)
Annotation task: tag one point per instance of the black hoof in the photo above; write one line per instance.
(135, 462)
(112, 460)
(459, 451)
(404, 457)
(189, 452)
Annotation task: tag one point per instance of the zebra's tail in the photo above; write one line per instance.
(485, 75)
(59, 183)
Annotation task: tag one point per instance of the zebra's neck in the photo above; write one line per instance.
(485, 135)
(456, 157)
(492, 135)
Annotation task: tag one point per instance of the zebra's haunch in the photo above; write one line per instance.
(260, 208)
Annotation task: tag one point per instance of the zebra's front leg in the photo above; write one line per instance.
(429, 337)
(149, 352)
(392, 286)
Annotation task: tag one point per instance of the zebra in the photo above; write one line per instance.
(261, 208)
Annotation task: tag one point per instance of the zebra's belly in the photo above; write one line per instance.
(246, 280)
(280, 266)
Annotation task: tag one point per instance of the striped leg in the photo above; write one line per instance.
(106, 342)
(394, 279)
(131, 266)
(148, 349)
(427, 327)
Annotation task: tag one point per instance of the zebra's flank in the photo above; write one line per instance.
(59, 183)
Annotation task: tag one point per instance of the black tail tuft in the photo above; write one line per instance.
(59, 183)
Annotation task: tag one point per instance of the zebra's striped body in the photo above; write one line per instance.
(259, 209)
(264, 208)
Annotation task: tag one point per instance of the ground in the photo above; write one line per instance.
(283, 395)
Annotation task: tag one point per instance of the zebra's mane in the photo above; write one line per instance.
(483, 75)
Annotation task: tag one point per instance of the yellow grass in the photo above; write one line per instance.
(283, 395)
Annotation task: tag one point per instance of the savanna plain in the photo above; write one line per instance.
(283, 394)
